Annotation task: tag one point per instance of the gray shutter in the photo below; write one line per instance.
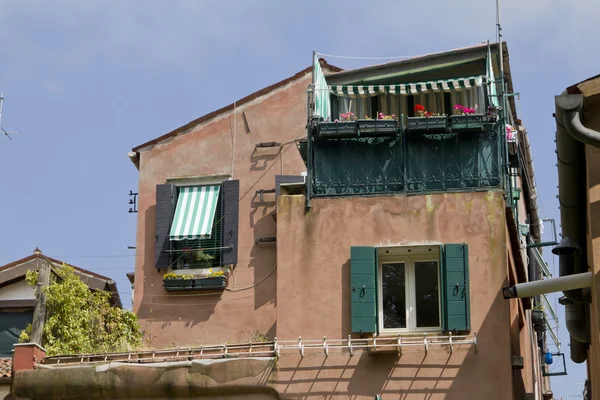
(166, 200)
(229, 230)
(456, 287)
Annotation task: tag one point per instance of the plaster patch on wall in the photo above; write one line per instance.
(429, 203)
(405, 243)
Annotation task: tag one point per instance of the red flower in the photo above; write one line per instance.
(419, 107)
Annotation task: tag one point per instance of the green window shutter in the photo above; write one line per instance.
(166, 201)
(363, 287)
(455, 290)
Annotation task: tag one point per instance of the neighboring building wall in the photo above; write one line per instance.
(206, 150)
(592, 120)
(313, 292)
(17, 291)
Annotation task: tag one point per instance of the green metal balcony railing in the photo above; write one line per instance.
(408, 162)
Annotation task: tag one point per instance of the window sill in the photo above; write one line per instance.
(395, 334)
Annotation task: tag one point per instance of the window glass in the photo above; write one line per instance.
(199, 253)
(394, 295)
(426, 294)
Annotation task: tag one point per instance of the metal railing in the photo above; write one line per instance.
(381, 344)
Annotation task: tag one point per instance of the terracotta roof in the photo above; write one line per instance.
(246, 99)
(5, 367)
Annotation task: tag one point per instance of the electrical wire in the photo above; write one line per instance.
(256, 284)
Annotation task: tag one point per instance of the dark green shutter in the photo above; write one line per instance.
(363, 287)
(166, 201)
(231, 205)
(455, 281)
(11, 325)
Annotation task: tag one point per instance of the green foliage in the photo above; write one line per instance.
(205, 260)
(79, 320)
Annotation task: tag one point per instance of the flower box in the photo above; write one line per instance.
(427, 124)
(341, 128)
(177, 284)
(467, 122)
(377, 126)
(538, 318)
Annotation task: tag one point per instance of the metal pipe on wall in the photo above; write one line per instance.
(572, 197)
(562, 284)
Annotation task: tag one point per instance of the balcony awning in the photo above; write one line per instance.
(195, 212)
(447, 85)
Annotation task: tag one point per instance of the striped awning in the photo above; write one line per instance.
(195, 212)
(446, 85)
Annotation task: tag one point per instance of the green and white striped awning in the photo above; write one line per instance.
(195, 212)
(446, 85)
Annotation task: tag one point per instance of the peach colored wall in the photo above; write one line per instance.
(193, 318)
(592, 120)
(313, 283)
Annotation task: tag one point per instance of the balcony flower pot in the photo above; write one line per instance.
(538, 317)
(214, 283)
(177, 284)
(206, 283)
(377, 126)
(467, 122)
(340, 128)
(427, 124)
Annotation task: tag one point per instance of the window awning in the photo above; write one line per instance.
(195, 212)
(446, 85)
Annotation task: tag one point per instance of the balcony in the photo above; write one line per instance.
(424, 155)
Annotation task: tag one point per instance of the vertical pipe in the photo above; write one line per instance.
(309, 158)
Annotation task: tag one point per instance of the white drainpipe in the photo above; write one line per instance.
(561, 284)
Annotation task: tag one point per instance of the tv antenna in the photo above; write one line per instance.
(6, 133)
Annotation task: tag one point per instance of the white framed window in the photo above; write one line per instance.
(409, 298)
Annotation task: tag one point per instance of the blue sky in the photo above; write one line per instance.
(87, 81)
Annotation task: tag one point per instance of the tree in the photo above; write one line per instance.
(80, 320)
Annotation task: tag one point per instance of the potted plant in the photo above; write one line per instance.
(426, 121)
(346, 125)
(204, 260)
(383, 124)
(464, 118)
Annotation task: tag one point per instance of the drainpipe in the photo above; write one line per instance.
(572, 106)
(572, 194)
(536, 288)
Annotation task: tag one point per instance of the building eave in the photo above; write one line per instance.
(230, 107)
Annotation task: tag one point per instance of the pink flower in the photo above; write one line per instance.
(335, 120)
(458, 107)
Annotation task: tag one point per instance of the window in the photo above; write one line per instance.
(409, 289)
(437, 102)
(200, 253)
(196, 226)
